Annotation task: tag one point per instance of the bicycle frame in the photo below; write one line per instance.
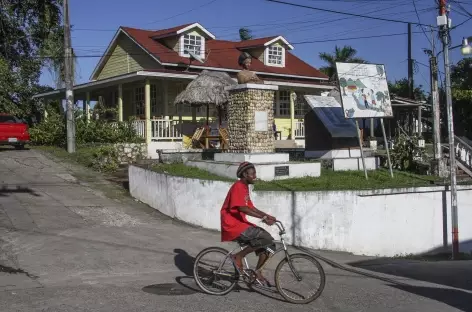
(282, 248)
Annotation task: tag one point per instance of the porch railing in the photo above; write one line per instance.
(165, 129)
(463, 155)
(299, 129)
(140, 127)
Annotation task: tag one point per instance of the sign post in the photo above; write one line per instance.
(362, 149)
(386, 147)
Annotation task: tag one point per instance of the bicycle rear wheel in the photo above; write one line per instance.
(308, 269)
(215, 273)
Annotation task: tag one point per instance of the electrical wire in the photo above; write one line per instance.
(222, 50)
(419, 21)
(345, 13)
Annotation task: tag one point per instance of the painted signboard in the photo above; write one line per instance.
(330, 112)
(364, 90)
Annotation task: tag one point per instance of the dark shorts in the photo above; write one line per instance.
(259, 238)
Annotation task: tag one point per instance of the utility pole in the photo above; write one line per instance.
(69, 81)
(410, 79)
(439, 166)
(443, 23)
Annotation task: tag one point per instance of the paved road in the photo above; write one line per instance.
(84, 246)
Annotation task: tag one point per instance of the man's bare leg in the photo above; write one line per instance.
(238, 258)
(263, 257)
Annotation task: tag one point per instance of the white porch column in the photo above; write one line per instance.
(120, 102)
(86, 105)
(165, 98)
(292, 114)
(147, 110)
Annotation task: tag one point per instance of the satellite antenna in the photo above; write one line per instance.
(193, 56)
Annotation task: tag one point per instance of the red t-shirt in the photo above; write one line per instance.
(234, 222)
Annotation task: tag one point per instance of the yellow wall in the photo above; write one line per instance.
(125, 58)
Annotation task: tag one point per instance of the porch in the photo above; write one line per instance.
(146, 99)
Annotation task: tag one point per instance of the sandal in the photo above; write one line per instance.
(262, 280)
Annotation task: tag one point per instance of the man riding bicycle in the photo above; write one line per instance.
(235, 226)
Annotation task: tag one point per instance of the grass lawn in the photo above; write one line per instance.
(82, 155)
(329, 180)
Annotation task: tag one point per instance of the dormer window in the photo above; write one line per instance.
(275, 56)
(192, 43)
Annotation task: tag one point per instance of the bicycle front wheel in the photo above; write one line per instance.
(214, 272)
(300, 270)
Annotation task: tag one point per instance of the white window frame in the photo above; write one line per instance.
(182, 45)
(284, 99)
(266, 56)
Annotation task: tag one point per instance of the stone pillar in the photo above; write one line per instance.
(250, 118)
(120, 102)
(147, 110)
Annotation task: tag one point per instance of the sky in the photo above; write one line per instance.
(94, 23)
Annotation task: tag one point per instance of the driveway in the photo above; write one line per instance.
(72, 241)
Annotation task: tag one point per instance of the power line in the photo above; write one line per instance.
(419, 21)
(191, 10)
(222, 50)
(346, 13)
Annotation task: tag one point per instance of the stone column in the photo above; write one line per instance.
(250, 118)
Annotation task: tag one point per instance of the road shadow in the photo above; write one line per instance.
(458, 299)
(184, 262)
(11, 149)
(428, 267)
(6, 190)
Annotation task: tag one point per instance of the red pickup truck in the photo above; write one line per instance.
(13, 131)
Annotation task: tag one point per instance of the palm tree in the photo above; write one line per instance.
(245, 34)
(346, 54)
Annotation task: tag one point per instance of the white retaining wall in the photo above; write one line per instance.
(375, 223)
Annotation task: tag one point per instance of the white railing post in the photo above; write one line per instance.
(165, 129)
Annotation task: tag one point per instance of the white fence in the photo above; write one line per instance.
(165, 129)
(374, 222)
(299, 129)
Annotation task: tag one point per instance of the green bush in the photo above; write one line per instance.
(52, 131)
(105, 159)
(406, 154)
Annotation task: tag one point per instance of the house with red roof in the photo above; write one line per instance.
(142, 68)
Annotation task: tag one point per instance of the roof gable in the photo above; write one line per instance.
(220, 55)
(263, 42)
(178, 30)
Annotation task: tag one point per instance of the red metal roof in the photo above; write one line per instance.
(168, 31)
(221, 54)
(254, 42)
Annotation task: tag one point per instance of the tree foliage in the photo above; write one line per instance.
(28, 31)
(245, 34)
(345, 54)
(400, 88)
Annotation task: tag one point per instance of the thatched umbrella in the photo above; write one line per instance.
(207, 89)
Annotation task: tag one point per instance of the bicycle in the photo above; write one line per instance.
(219, 275)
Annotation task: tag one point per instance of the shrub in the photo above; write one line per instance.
(406, 154)
(53, 131)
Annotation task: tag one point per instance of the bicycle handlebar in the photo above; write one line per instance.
(280, 226)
